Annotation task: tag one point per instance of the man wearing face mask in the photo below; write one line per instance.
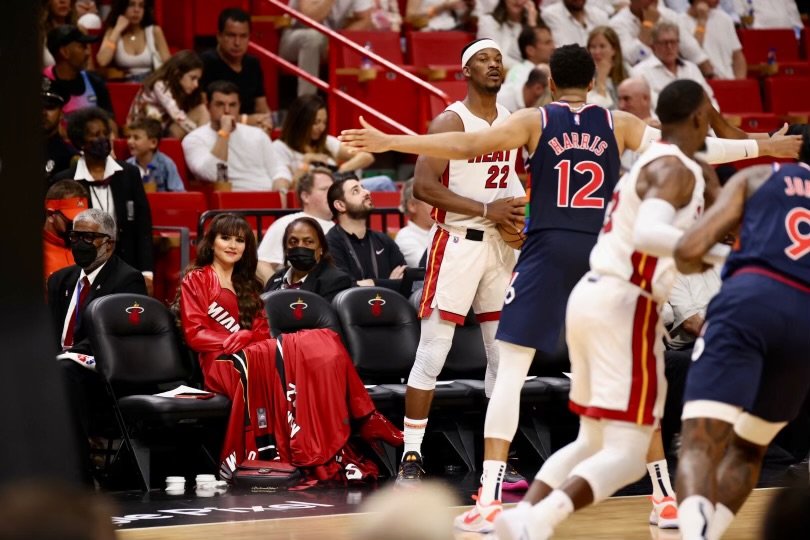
(310, 266)
(97, 272)
(63, 202)
(113, 186)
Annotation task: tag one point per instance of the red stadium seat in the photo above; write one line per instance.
(785, 95)
(757, 42)
(173, 149)
(385, 44)
(387, 93)
(385, 199)
(121, 95)
(238, 200)
(440, 52)
(740, 100)
(120, 149)
(455, 90)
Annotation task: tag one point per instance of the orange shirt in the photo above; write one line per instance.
(55, 255)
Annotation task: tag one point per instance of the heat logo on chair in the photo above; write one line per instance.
(298, 308)
(134, 312)
(376, 304)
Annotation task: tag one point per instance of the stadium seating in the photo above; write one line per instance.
(136, 347)
(455, 90)
(438, 52)
(740, 100)
(290, 310)
(385, 199)
(239, 200)
(385, 44)
(757, 43)
(121, 96)
(785, 96)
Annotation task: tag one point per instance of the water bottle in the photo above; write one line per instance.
(771, 67)
(365, 62)
(222, 172)
(149, 180)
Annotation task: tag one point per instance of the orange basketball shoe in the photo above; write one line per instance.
(664, 513)
(480, 518)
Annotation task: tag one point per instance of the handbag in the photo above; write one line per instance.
(260, 475)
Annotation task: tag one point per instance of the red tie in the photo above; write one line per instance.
(84, 290)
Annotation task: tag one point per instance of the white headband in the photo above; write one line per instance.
(477, 47)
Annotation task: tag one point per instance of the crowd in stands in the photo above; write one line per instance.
(215, 102)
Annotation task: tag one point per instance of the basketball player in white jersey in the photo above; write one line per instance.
(468, 263)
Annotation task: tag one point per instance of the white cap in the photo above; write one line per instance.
(89, 21)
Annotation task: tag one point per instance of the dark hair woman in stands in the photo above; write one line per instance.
(504, 25)
(223, 320)
(309, 266)
(172, 95)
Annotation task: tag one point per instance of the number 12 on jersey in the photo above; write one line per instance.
(584, 197)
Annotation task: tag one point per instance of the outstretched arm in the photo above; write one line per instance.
(521, 129)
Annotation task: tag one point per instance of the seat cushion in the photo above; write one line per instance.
(443, 391)
(139, 406)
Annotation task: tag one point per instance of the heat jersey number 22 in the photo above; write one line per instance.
(583, 198)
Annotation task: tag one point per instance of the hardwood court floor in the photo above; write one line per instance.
(621, 518)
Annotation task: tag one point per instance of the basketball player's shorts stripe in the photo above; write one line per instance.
(643, 270)
(434, 261)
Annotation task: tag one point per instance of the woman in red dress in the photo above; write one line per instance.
(223, 321)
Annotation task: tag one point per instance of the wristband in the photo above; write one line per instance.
(647, 24)
(700, 29)
(224, 134)
(108, 44)
(485, 210)
(244, 119)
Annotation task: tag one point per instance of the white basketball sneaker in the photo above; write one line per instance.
(517, 524)
(664, 513)
(480, 518)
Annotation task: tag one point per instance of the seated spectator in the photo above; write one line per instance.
(63, 202)
(133, 43)
(536, 45)
(634, 97)
(385, 16)
(310, 267)
(634, 25)
(311, 189)
(230, 62)
(571, 21)
(432, 15)
(71, 50)
(689, 298)
(606, 51)
(369, 257)
(304, 142)
(251, 160)
(771, 14)
(715, 32)
(98, 272)
(306, 46)
(172, 96)
(530, 94)
(223, 320)
(504, 25)
(59, 154)
(158, 171)
(54, 13)
(414, 238)
(666, 64)
(113, 186)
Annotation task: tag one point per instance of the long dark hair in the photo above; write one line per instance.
(315, 226)
(295, 132)
(245, 283)
(120, 6)
(618, 73)
(500, 15)
(171, 72)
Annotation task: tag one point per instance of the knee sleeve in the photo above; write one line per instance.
(488, 330)
(503, 411)
(621, 460)
(560, 464)
(434, 344)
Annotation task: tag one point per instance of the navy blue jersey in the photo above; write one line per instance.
(775, 230)
(574, 169)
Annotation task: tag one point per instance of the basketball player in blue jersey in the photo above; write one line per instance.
(575, 149)
(751, 370)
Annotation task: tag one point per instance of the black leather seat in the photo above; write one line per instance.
(137, 348)
(290, 310)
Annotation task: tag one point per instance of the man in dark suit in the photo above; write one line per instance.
(114, 186)
(97, 272)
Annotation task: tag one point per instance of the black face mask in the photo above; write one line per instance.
(302, 258)
(98, 149)
(83, 253)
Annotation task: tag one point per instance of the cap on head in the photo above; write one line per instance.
(70, 208)
(65, 35)
(50, 95)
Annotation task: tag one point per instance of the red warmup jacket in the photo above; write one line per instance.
(295, 395)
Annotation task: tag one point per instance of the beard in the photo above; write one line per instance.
(359, 211)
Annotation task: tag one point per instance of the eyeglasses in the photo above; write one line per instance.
(668, 42)
(87, 237)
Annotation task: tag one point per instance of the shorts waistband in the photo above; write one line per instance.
(776, 276)
(476, 235)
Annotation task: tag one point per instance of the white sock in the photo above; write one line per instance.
(695, 515)
(414, 433)
(659, 476)
(491, 481)
(553, 509)
(720, 522)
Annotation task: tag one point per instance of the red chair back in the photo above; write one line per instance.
(385, 44)
(173, 149)
(757, 42)
(456, 91)
(785, 95)
(437, 48)
(737, 96)
(121, 96)
(385, 199)
(177, 209)
(239, 200)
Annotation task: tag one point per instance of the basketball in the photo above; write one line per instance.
(513, 237)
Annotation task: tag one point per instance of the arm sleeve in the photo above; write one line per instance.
(199, 158)
(727, 150)
(653, 232)
(164, 97)
(194, 293)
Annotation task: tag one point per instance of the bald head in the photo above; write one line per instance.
(634, 97)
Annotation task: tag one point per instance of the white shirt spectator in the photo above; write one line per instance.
(293, 160)
(690, 296)
(720, 40)
(519, 73)
(505, 35)
(628, 27)
(341, 11)
(413, 240)
(658, 76)
(566, 29)
(270, 250)
(772, 13)
(252, 162)
(511, 97)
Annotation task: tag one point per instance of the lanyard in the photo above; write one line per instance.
(345, 236)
